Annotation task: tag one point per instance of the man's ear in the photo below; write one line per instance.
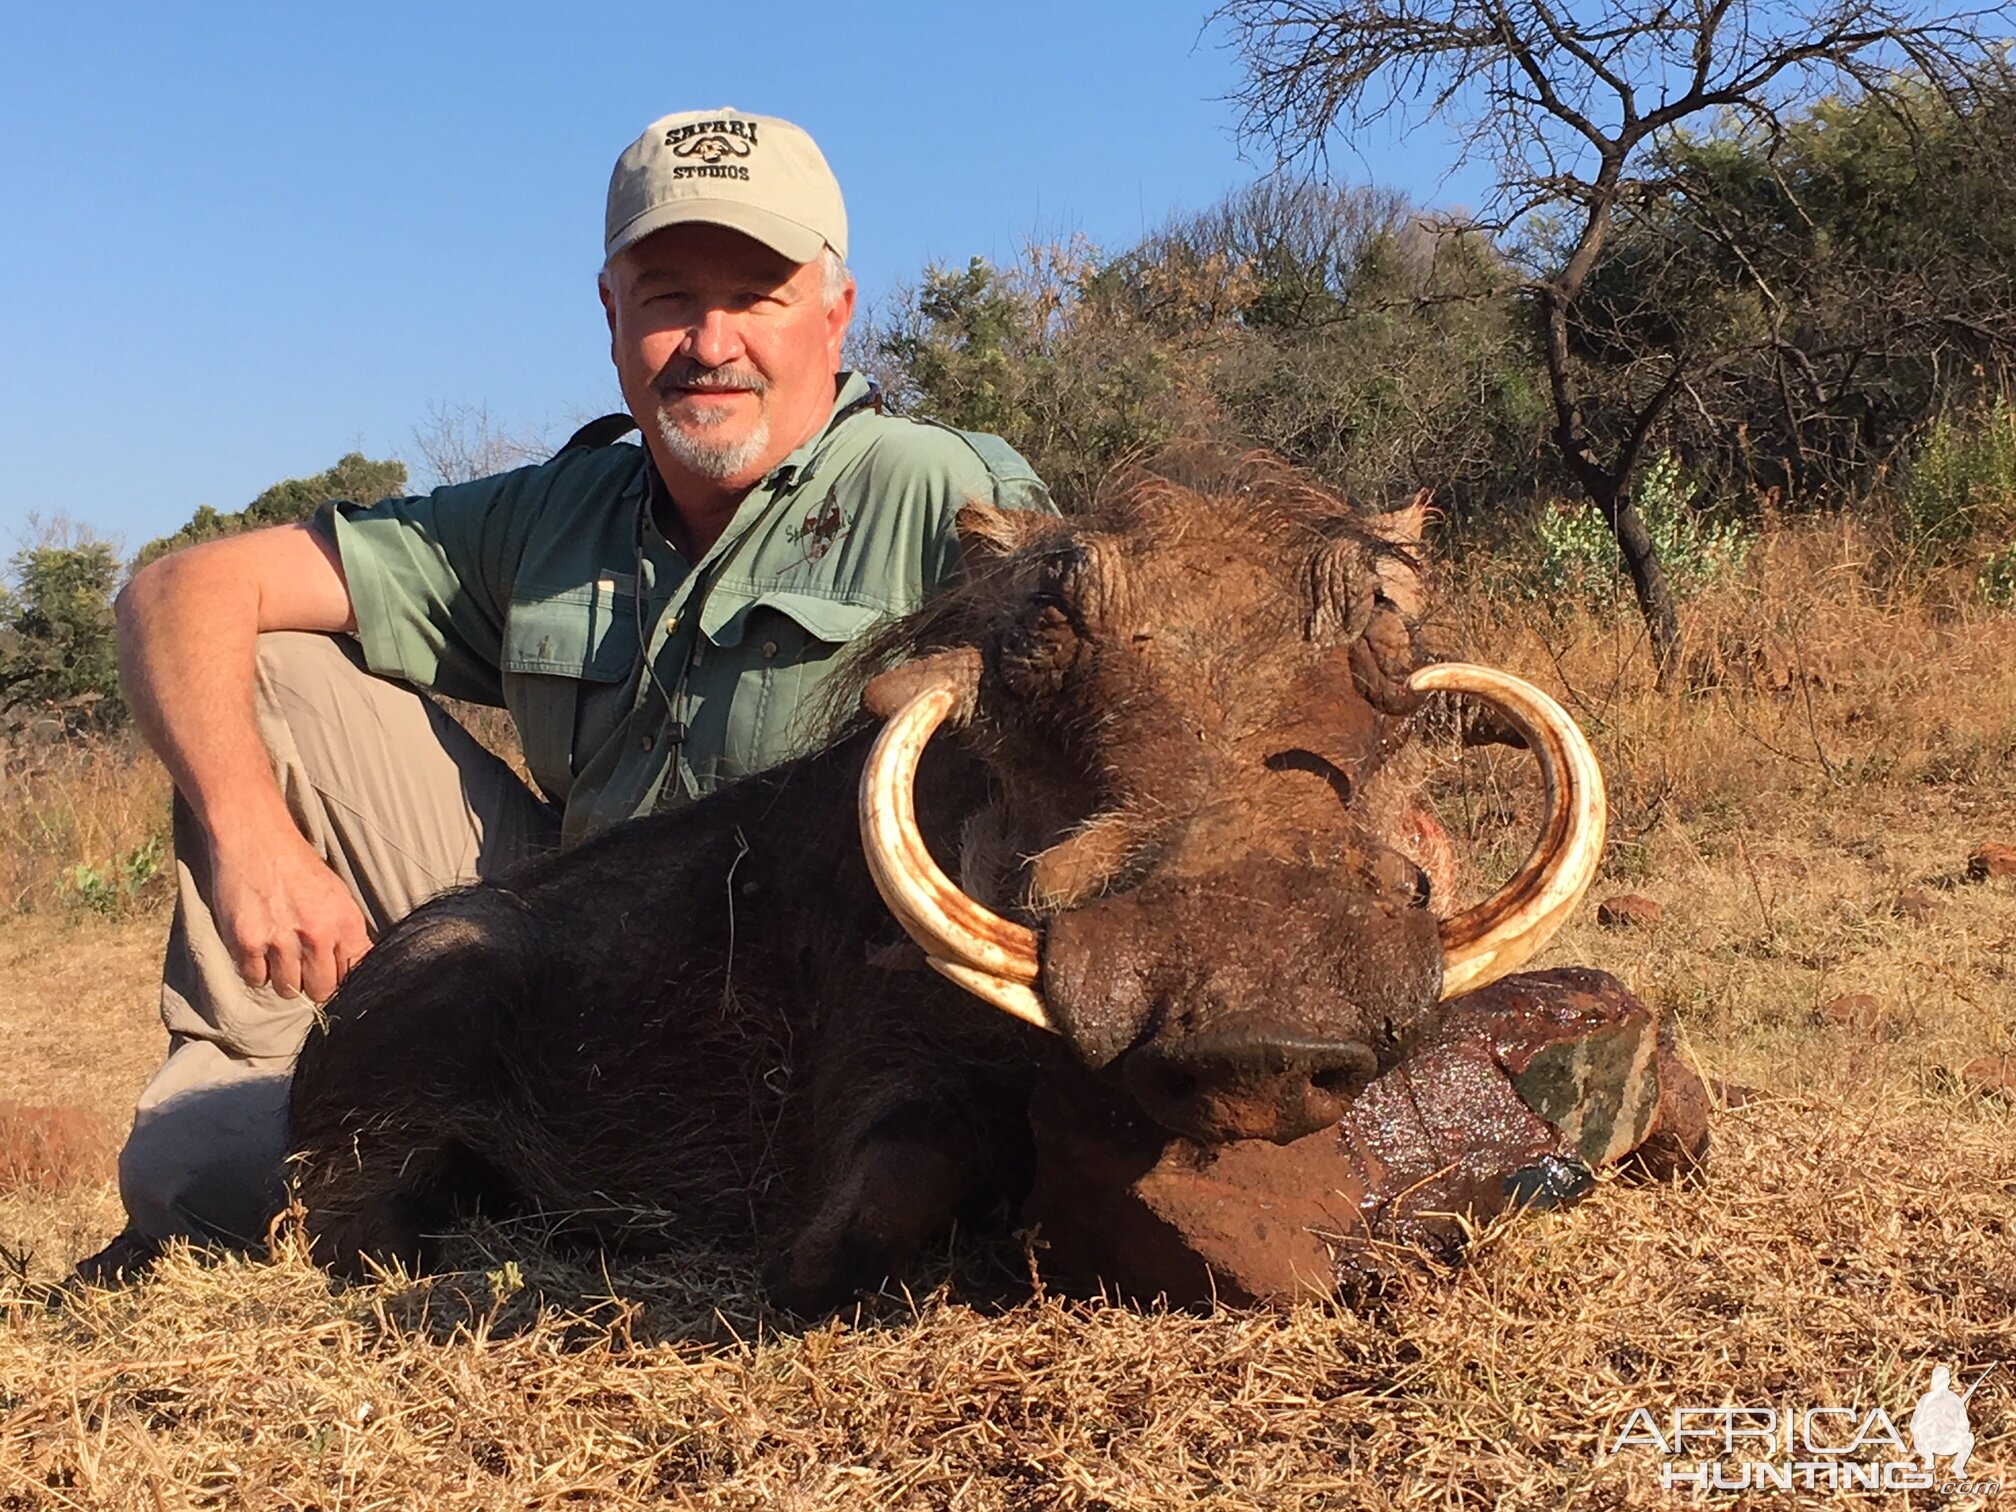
(987, 534)
(839, 315)
(608, 306)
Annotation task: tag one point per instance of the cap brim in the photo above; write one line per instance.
(787, 237)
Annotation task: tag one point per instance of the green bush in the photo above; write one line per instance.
(1579, 563)
(1960, 479)
(113, 890)
(58, 656)
(354, 477)
(1998, 577)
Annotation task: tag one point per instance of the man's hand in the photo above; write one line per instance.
(287, 920)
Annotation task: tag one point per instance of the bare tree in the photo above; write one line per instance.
(1568, 104)
(459, 442)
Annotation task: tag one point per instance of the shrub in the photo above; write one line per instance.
(1579, 563)
(57, 650)
(1998, 577)
(1959, 480)
(115, 889)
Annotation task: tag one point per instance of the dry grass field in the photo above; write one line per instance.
(1840, 745)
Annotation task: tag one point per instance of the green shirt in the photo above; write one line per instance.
(534, 589)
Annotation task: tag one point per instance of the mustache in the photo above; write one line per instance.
(686, 376)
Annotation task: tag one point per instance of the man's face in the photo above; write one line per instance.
(724, 348)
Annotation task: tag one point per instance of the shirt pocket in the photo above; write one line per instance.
(570, 658)
(764, 668)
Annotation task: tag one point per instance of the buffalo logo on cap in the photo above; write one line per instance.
(711, 149)
(711, 141)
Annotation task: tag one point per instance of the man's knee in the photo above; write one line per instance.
(206, 1157)
(300, 667)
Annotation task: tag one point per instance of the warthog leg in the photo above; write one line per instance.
(902, 1184)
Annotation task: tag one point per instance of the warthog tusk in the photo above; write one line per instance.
(1500, 934)
(991, 957)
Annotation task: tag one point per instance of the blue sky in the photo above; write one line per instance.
(237, 241)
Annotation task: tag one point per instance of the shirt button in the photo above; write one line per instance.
(647, 742)
(769, 648)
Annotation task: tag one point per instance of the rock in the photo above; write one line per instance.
(1915, 904)
(1991, 1076)
(1858, 1013)
(1629, 911)
(1991, 861)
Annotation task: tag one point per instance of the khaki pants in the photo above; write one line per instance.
(402, 803)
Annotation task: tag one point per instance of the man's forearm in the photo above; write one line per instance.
(189, 628)
(188, 641)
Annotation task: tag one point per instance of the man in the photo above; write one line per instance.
(654, 618)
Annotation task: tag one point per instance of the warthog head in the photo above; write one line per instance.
(1194, 869)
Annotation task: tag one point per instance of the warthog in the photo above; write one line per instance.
(1170, 773)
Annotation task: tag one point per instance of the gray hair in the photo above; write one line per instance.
(835, 276)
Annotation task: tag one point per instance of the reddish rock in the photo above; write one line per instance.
(1915, 904)
(1856, 1012)
(1991, 1076)
(1629, 911)
(1992, 861)
(48, 1149)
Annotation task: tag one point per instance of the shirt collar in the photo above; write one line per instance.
(852, 393)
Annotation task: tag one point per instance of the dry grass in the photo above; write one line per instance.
(65, 804)
(1859, 1223)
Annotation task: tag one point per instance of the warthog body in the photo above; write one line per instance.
(1175, 752)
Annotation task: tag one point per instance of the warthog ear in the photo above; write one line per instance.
(987, 534)
(1398, 569)
(1350, 576)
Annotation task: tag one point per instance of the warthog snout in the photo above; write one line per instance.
(1231, 1084)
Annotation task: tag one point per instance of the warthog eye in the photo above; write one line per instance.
(1063, 571)
(1049, 636)
(1040, 647)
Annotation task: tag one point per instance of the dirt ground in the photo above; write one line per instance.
(1857, 1227)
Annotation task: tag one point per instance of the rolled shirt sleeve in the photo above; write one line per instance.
(431, 577)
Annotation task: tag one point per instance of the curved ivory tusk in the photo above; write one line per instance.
(992, 957)
(1500, 934)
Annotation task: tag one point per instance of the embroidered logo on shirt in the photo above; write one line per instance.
(816, 534)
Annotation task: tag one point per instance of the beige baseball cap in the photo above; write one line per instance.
(755, 174)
